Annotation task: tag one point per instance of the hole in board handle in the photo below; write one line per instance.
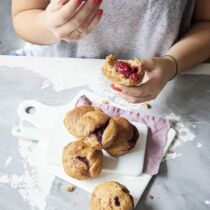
(30, 110)
(18, 130)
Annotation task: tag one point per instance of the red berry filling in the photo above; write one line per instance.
(117, 201)
(133, 140)
(99, 132)
(123, 68)
(135, 69)
(134, 77)
(132, 72)
(84, 160)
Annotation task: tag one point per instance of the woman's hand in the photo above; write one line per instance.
(158, 71)
(72, 19)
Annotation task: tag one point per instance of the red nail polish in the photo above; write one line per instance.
(96, 1)
(100, 12)
(79, 1)
(115, 88)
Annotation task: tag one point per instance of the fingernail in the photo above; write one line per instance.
(115, 88)
(100, 12)
(96, 1)
(80, 1)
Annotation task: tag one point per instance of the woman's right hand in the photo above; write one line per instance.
(71, 20)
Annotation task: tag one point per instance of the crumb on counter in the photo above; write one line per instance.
(70, 188)
(104, 102)
(147, 106)
(171, 151)
(151, 197)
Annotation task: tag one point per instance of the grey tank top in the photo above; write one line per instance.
(128, 28)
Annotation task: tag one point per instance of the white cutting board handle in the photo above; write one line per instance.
(40, 115)
(28, 133)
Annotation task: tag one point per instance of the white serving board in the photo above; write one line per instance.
(135, 184)
(58, 137)
(56, 141)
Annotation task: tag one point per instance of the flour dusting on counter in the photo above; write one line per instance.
(37, 192)
(28, 187)
(207, 202)
(184, 135)
(8, 161)
(199, 145)
(170, 156)
(45, 84)
(33, 184)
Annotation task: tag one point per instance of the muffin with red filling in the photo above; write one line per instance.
(96, 128)
(127, 137)
(127, 72)
(81, 161)
(111, 195)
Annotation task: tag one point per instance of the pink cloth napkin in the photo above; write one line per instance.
(157, 132)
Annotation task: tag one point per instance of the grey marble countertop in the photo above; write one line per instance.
(183, 181)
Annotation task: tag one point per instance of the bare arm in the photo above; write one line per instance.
(194, 47)
(45, 22)
(190, 50)
(29, 22)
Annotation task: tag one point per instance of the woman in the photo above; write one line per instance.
(169, 36)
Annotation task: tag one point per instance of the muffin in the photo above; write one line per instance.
(127, 72)
(126, 138)
(83, 120)
(91, 124)
(81, 161)
(102, 137)
(111, 196)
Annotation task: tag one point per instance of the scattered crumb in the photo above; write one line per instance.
(151, 197)
(70, 188)
(171, 151)
(207, 202)
(104, 102)
(147, 106)
(199, 145)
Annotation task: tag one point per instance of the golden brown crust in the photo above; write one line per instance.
(80, 161)
(126, 134)
(83, 120)
(104, 137)
(109, 71)
(111, 196)
(90, 123)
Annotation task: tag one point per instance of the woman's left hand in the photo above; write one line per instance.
(158, 71)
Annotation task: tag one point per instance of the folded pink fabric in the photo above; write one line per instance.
(157, 132)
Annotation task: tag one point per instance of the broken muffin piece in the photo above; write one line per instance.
(91, 124)
(127, 72)
(102, 137)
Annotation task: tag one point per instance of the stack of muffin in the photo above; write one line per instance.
(83, 158)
